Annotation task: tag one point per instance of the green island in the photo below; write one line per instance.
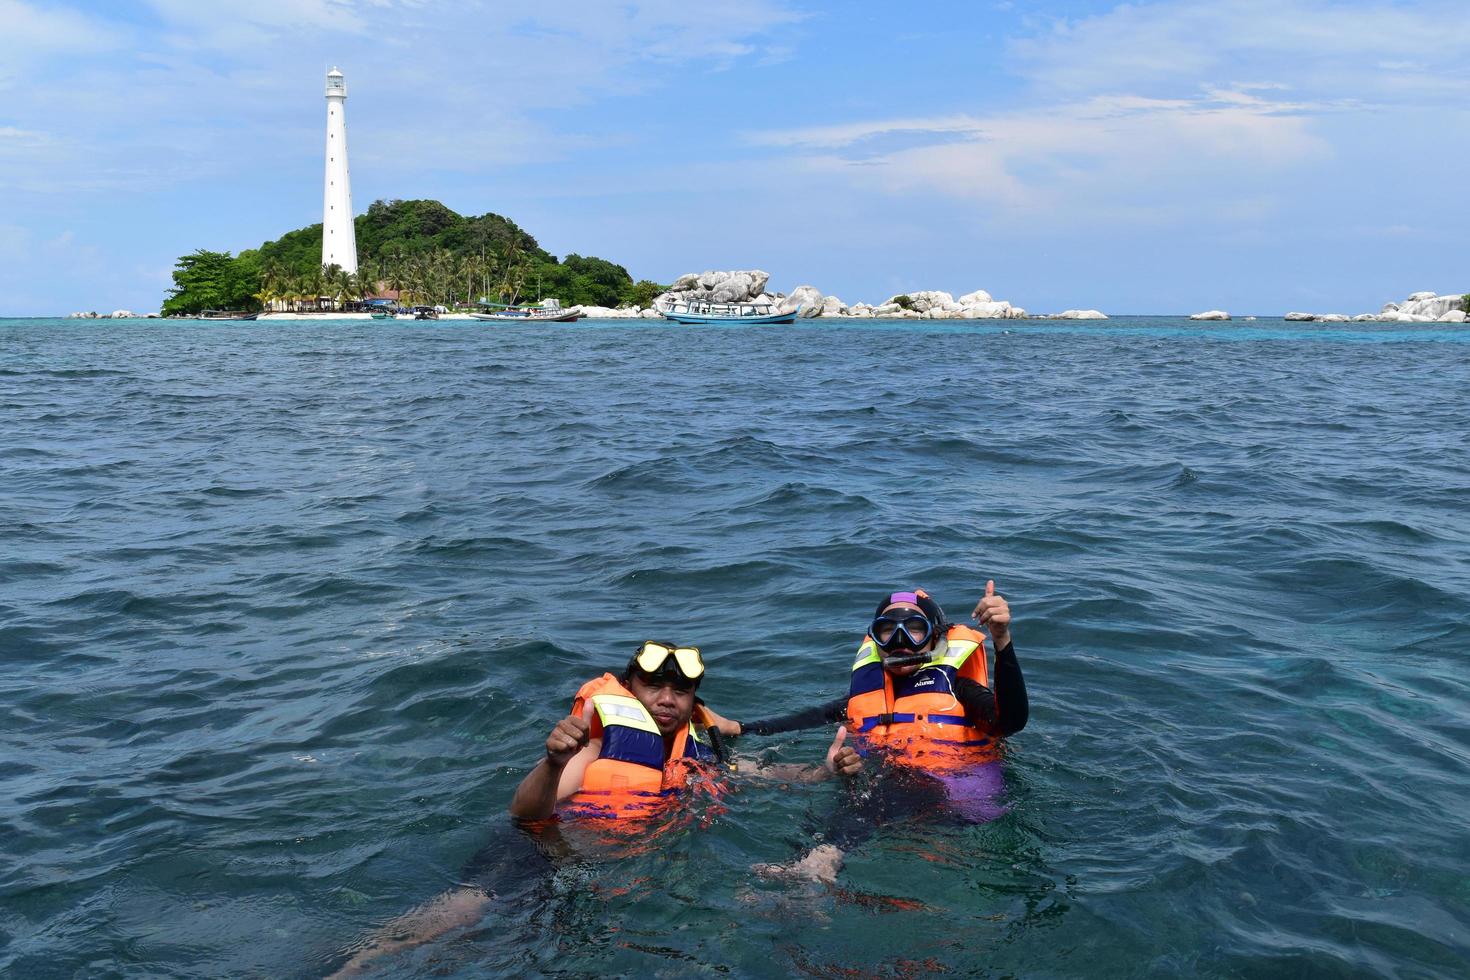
(421, 251)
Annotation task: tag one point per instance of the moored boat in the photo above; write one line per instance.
(696, 311)
(549, 312)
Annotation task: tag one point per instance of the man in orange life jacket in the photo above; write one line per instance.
(628, 744)
(631, 741)
(920, 695)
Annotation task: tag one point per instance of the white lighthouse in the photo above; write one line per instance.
(339, 243)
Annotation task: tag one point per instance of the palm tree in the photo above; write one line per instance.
(397, 281)
(316, 285)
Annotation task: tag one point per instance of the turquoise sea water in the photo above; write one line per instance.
(286, 611)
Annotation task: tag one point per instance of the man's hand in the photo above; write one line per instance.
(843, 760)
(568, 737)
(993, 613)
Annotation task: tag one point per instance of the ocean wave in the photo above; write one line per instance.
(282, 650)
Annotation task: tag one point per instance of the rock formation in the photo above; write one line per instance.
(1423, 307)
(808, 299)
(749, 287)
(1210, 315)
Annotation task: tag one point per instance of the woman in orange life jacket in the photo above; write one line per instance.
(919, 696)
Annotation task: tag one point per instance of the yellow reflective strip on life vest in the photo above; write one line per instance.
(955, 653)
(614, 709)
(867, 654)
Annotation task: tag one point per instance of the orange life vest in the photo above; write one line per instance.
(918, 718)
(630, 776)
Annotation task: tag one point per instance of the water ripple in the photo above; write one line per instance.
(289, 609)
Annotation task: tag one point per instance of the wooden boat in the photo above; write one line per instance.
(384, 315)
(529, 314)
(226, 315)
(696, 311)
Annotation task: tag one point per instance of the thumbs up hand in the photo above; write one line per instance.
(843, 760)
(994, 614)
(568, 737)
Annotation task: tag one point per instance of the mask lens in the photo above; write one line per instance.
(917, 627)
(690, 662)
(901, 629)
(651, 656)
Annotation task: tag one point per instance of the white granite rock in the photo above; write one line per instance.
(1210, 315)
(887, 309)
(1453, 316)
(1416, 297)
(808, 298)
(975, 298)
(832, 306)
(1366, 317)
(924, 300)
(990, 310)
(738, 286)
(1082, 315)
(1433, 306)
(1300, 316)
(1333, 318)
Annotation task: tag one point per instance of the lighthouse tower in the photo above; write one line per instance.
(339, 244)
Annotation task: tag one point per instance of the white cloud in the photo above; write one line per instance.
(35, 35)
(1325, 49)
(1167, 112)
(15, 138)
(1105, 156)
(208, 88)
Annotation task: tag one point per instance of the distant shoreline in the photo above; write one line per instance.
(1330, 319)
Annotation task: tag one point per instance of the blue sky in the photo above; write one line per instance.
(1165, 157)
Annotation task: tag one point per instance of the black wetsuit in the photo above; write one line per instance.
(1000, 712)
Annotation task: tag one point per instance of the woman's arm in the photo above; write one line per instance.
(1003, 711)
(842, 760)
(1012, 706)
(825, 714)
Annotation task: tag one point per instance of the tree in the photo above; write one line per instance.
(421, 249)
(643, 293)
(205, 280)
